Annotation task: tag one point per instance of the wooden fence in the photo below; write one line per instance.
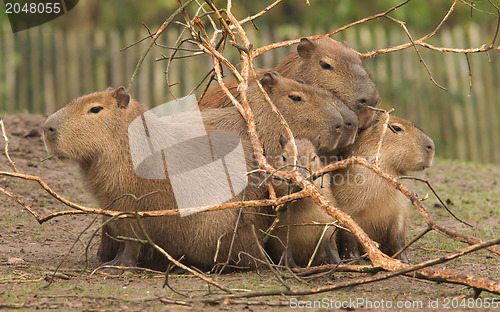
(42, 69)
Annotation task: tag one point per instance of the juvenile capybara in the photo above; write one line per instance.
(325, 63)
(92, 131)
(290, 239)
(378, 207)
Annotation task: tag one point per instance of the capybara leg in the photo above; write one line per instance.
(395, 246)
(332, 253)
(397, 239)
(108, 249)
(288, 257)
(350, 245)
(127, 255)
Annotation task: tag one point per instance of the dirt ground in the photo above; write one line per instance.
(30, 252)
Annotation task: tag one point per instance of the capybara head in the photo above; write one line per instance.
(405, 148)
(307, 157)
(335, 67)
(87, 126)
(308, 110)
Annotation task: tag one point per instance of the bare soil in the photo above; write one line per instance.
(30, 252)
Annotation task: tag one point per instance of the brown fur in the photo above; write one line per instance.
(344, 77)
(299, 242)
(379, 208)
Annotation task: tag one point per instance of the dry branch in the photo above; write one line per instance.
(120, 215)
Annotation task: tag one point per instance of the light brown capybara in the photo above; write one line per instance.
(92, 131)
(378, 207)
(292, 243)
(324, 63)
(308, 110)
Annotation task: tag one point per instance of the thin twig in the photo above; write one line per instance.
(6, 148)
(428, 183)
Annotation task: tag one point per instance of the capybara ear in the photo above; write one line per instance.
(269, 80)
(316, 142)
(301, 81)
(345, 43)
(283, 140)
(305, 47)
(121, 96)
(109, 89)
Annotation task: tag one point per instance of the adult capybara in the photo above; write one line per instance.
(377, 206)
(325, 63)
(290, 239)
(308, 110)
(93, 131)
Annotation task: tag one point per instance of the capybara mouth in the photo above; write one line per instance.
(424, 165)
(52, 150)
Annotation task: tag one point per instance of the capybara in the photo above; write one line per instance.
(92, 131)
(308, 110)
(290, 239)
(325, 63)
(378, 207)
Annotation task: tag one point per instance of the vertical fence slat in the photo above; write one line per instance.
(489, 69)
(87, 66)
(73, 61)
(23, 70)
(459, 146)
(49, 88)
(117, 77)
(101, 60)
(60, 69)
(484, 122)
(395, 68)
(10, 71)
(36, 53)
(470, 105)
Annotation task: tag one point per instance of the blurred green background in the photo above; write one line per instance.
(43, 68)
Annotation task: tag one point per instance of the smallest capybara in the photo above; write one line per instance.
(378, 207)
(295, 236)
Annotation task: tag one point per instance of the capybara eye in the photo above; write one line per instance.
(325, 65)
(295, 98)
(95, 109)
(313, 158)
(395, 128)
(283, 158)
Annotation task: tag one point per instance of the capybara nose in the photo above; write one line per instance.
(362, 102)
(49, 130)
(429, 144)
(338, 126)
(49, 133)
